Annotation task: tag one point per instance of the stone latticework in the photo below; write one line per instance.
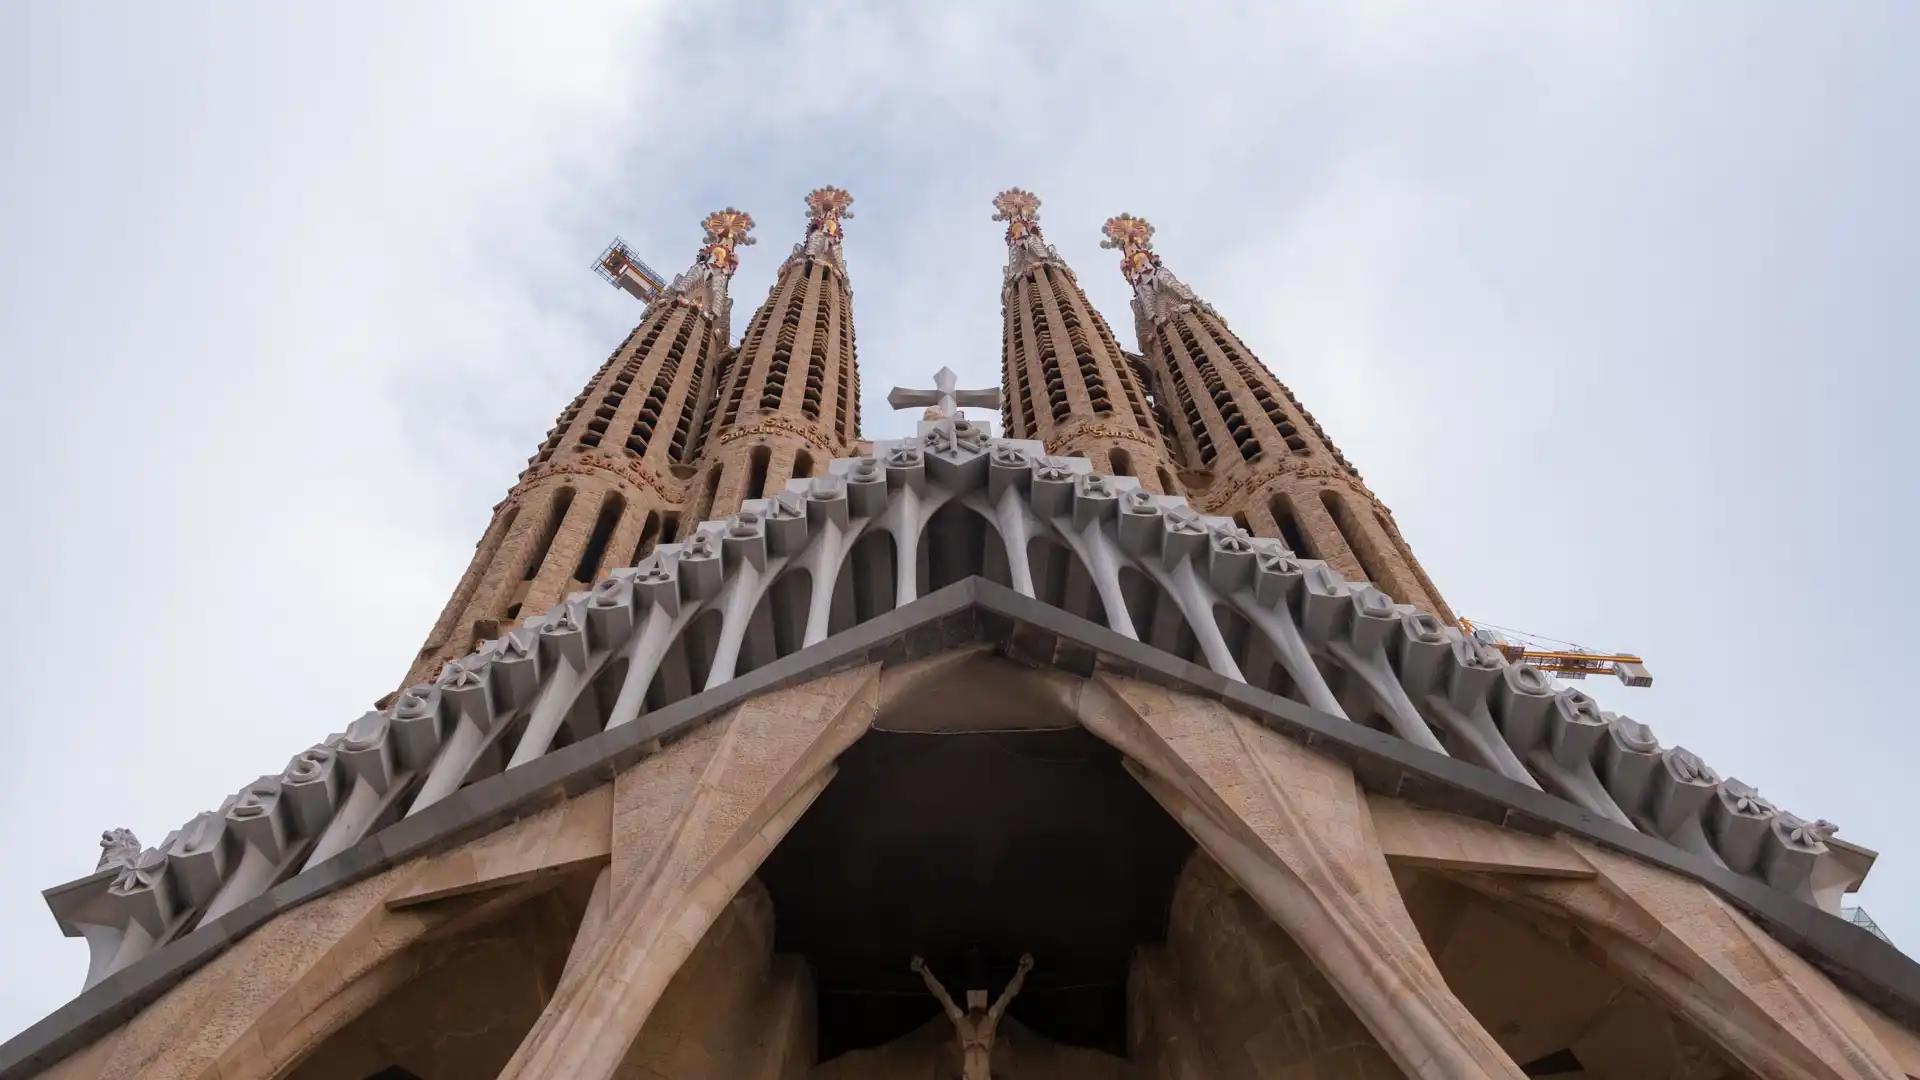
(1068, 383)
(1247, 447)
(1239, 813)
(788, 399)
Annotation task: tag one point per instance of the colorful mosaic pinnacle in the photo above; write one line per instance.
(1020, 209)
(826, 208)
(1133, 237)
(726, 231)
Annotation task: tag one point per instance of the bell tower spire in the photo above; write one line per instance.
(602, 489)
(1068, 382)
(1252, 449)
(786, 401)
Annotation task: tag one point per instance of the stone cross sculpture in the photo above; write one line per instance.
(974, 1028)
(944, 401)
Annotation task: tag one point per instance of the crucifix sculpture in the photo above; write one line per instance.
(974, 1026)
(944, 401)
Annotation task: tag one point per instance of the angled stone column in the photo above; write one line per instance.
(1292, 828)
(1765, 1006)
(694, 822)
(1671, 936)
(284, 988)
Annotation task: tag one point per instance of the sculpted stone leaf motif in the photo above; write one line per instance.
(1232, 539)
(787, 506)
(700, 546)
(1179, 519)
(744, 525)
(464, 674)
(1745, 800)
(1053, 471)
(1094, 486)
(1687, 766)
(1009, 456)
(864, 470)
(903, 456)
(1139, 501)
(1804, 835)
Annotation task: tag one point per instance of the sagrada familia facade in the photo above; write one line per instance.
(1134, 742)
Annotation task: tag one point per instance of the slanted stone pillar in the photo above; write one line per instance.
(1291, 827)
(693, 823)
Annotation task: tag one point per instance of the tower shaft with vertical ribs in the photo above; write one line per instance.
(1068, 382)
(1248, 447)
(606, 484)
(787, 401)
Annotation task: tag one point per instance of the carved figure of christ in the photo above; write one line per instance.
(973, 1027)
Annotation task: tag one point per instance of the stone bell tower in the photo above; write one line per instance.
(1247, 447)
(602, 489)
(786, 401)
(1068, 383)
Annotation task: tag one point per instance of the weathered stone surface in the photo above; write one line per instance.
(1292, 828)
(772, 759)
(1231, 996)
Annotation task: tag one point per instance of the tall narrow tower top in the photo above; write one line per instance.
(1026, 247)
(1156, 292)
(827, 207)
(704, 285)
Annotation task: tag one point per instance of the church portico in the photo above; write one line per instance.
(959, 756)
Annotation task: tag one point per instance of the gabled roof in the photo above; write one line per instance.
(970, 612)
(829, 575)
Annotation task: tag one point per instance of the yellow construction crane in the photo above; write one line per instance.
(1562, 658)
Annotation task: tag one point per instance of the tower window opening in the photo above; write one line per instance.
(757, 465)
(603, 526)
(1121, 461)
(713, 491)
(670, 528)
(802, 465)
(562, 499)
(1364, 551)
(1289, 526)
(1167, 483)
(649, 535)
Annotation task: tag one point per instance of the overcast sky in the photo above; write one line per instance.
(1614, 305)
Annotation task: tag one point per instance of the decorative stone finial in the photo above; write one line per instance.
(704, 285)
(118, 847)
(1133, 238)
(1026, 248)
(1157, 293)
(1020, 209)
(726, 231)
(827, 207)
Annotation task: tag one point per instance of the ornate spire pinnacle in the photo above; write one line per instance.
(726, 230)
(1156, 292)
(704, 285)
(1026, 248)
(827, 207)
(1133, 238)
(1020, 209)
